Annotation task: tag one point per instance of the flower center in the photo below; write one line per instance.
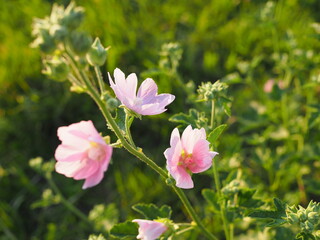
(96, 151)
(186, 159)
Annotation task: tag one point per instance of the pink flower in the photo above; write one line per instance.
(83, 154)
(188, 154)
(150, 230)
(147, 101)
(268, 86)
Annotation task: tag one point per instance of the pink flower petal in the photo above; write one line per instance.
(93, 180)
(201, 157)
(83, 154)
(183, 179)
(190, 137)
(148, 90)
(150, 230)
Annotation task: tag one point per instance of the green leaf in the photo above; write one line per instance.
(278, 216)
(212, 198)
(246, 199)
(125, 230)
(120, 119)
(305, 236)
(213, 136)
(151, 211)
(184, 118)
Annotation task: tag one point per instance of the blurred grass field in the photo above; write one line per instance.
(272, 137)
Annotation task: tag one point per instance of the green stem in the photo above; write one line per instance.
(140, 155)
(221, 201)
(212, 115)
(65, 202)
(100, 80)
(184, 230)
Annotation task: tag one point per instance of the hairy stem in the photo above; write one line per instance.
(100, 80)
(218, 185)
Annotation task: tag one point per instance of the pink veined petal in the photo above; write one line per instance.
(83, 129)
(131, 86)
(175, 137)
(89, 167)
(187, 139)
(191, 136)
(201, 157)
(126, 87)
(173, 156)
(68, 168)
(164, 99)
(68, 153)
(106, 160)
(149, 230)
(94, 179)
(148, 90)
(156, 105)
(183, 179)
(120, 88)
(68, 138)
(150, 109)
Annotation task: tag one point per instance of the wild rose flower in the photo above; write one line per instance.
(150, 230)
(188, 154)
(147, 101)
(83, 154)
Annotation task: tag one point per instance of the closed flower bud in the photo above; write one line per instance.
(292, 218)
(57, 69)
(112, 103)
(313, 217)
(58, 32)
(73, 16)
(44, 41)
(309, 227)
(97, 54)
(302, 215)
(80, 43)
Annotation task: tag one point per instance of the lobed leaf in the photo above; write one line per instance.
(151, 211)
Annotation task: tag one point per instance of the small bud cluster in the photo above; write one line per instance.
(232, 188)
(51, 31)
(308, 219)
(209, 91)
(171, 54)
(56, 34)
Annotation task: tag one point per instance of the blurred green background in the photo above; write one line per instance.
(273, 137)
